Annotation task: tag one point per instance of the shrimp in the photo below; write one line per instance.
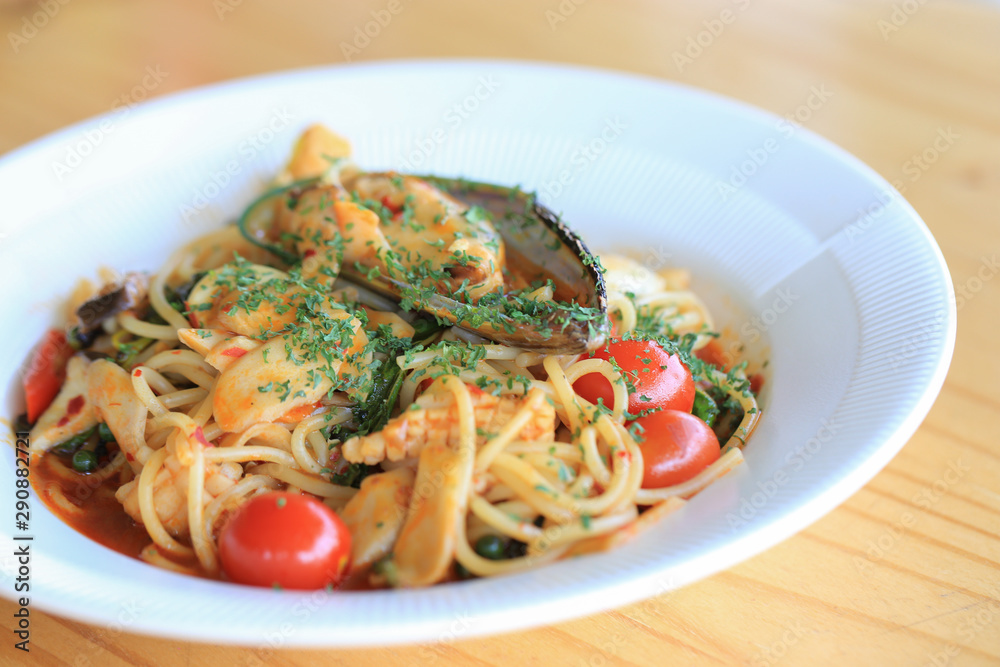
(400, 226)
(329, 230)
(170, 489)
(435, 235)
(314, 153)
(433, 418)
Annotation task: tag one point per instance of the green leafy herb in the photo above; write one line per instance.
(705, 408)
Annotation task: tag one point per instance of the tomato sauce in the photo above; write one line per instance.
(101, 517)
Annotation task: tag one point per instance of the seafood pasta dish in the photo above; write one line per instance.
(375, 379)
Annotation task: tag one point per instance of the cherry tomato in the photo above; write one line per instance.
(285, 540)
(660, 380)
(676, 447)
(46, 373)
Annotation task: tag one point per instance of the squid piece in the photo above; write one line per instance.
(219, 300)
(433, 417)
(70, 413)
(330, 230)
(285, 373)
(218, 347)
(426, 546)
(375, 515)
(116, 404)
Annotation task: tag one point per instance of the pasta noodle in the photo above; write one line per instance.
(265, 377)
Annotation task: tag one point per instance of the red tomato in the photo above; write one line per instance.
(712, 353)
(660, 380)
(46, 373)
(676, 447)
(285, 540)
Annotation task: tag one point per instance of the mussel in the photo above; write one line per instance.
(488, 258)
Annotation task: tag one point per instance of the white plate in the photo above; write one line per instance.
(844, 287)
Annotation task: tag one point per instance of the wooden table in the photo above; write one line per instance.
(900, 573)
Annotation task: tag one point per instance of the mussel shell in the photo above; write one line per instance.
(536, 239)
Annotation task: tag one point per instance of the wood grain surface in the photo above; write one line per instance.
(907, 571)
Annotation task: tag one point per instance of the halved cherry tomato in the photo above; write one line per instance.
(660, 380)
(676, 447)
(46, 373)
(285, 540)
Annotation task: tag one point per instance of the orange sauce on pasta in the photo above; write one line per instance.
(92, 510)
(86, 506)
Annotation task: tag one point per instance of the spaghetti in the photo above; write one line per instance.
(238, 374)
